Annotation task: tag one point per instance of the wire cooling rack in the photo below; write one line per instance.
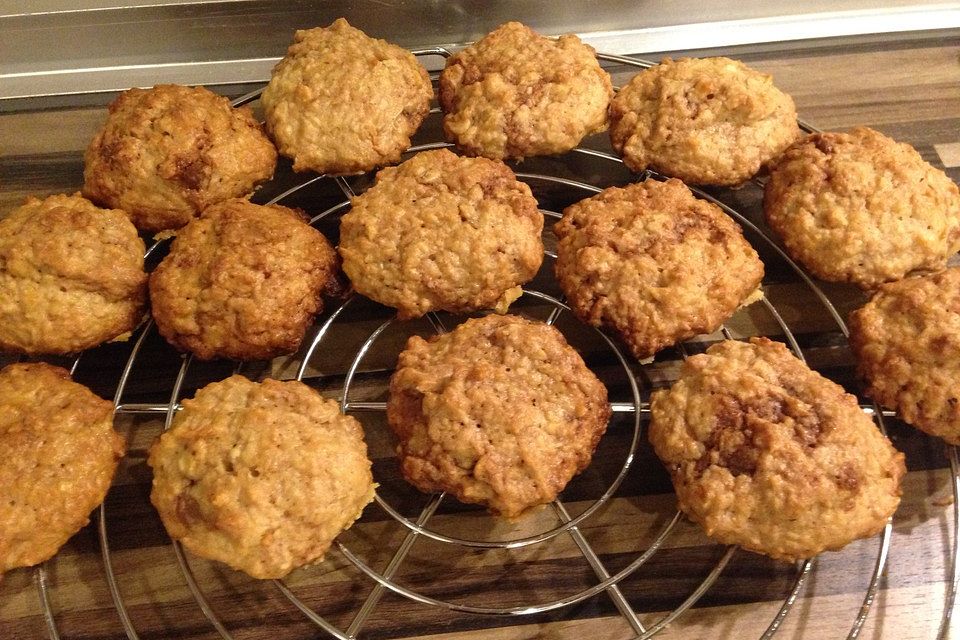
(554, 182)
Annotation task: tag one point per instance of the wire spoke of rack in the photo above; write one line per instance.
(43, 592)
(619, 601)
(791, 598)
(947, 621)
(392, 567)
(693, 597)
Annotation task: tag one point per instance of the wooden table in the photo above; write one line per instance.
(908, 88)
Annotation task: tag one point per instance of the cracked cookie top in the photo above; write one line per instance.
(58, 454)
(515, 93)
(167, 153)
(907, 343)
(71, 276)
(501, 412)
(654, 262)
(260, 476)
(704, 120)
(243, 281)
(767, 454)
(443, 232)
(341, 102)
(859, 207)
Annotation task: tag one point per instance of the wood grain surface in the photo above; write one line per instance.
(908, 89)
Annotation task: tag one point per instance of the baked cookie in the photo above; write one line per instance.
(441, 232)
(767, 454)
(342, 102)
(515, 93)
(704, 120)
(500, 411)
(71, 276)
(58, 453)
(167, 153)
(907, 343)
(859, 207)
(260, 476)
(653, 262)
(243, 281)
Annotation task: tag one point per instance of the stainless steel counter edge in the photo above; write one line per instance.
(49, 50)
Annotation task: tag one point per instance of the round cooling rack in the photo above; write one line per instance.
(452, 530)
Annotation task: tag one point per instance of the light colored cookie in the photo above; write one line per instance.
(500, 412)
(907, 343)
(71, 276)
(859, 207)
(342, 102)
(515, 93)
(705, 120)
(441, 232)
(769, 455)
(653, 262)
(58, 454)
(243, 281)
(260, 476)
(167, 153)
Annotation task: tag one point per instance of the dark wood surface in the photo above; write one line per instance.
(908, 89)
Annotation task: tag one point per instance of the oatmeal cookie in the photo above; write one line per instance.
(767, 454)
(167, 153)
(500, 412)
(71, 276)
(859, 207)
(441, 232)
(243, 281)
(705, 120)
(515, 93)
(58, 454)
(260, 476)
(907, 343)
(341, 102)
(653, 262)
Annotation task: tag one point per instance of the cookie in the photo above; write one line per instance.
(515, 93)
(709, 121)
(859, 207)
(907, 344)
(58, 454)
(71, 276)
(341, 102)
(243, 281)
(167, 153)
(654, 263)
(260, 476)
(500, 411)
(769, 455)
(441, 232)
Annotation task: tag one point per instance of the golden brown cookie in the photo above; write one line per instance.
(500, 411)
(653, 262)
(907, 343)
(515, 93)
(704, 120)
(441, 232)
(767, 454)
(167, 153)
(260, 476)
(58, 453)
(71, 276)
(859, 207)
(243, 281)
(342, 102)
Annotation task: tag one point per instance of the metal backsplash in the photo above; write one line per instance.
(58, 47)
